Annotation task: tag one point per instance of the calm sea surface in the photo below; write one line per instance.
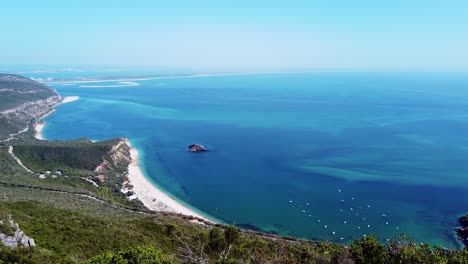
(321, 156)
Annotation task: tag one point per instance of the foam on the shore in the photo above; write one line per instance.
(150, 195)
(70, 99)
(41, 124)
(118, 84)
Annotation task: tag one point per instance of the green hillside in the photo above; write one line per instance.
(16, 90)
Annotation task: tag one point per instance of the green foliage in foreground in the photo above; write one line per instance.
(369, 250)
(141, 255)
(67, 235)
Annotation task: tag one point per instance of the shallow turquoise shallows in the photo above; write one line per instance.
(321, 156)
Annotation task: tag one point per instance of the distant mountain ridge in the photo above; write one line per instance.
(16, 90)
(22, 103)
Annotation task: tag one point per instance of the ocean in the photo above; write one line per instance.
(332, 156)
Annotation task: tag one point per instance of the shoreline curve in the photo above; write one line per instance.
(149, 194)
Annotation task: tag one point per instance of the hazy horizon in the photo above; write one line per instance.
(241, 36)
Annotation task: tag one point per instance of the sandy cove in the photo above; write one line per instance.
(151, 196)
(41, 124)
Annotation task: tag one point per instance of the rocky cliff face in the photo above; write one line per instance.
(117, 157)
(114, 163)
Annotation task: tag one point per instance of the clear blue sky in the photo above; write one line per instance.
(238, 35)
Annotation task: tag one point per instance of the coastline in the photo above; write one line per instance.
(39, 126)
(132, 80)
(149, 194)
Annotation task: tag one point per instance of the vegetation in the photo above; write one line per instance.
(16, 90)
(143, 255)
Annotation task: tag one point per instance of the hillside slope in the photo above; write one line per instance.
(22, 103)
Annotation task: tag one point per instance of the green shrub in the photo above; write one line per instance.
(369, 250)
(231, 233)
(216, 240)
(135, 255)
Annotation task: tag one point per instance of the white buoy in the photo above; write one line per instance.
(333, 233)
(325, 226)
(339, 190)
(290, 201)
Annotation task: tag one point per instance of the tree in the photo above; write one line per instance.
(232, 234)
(216, 239)
(369, 250)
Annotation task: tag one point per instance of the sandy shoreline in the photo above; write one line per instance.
(41, 124)
(150, 78)
(152, 197)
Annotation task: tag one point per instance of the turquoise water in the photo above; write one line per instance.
(303, 155)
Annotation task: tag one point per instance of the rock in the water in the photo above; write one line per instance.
(196, 148)
(462, 231)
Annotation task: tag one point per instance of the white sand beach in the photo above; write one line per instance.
(152, 197)
(131, 81)
(39, 127)
(41, 124)
(117, 84)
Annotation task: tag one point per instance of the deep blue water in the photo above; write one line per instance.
(303, 155)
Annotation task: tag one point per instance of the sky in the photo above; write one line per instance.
(404, 35)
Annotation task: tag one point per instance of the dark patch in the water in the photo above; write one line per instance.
(256, 228)
(249, 227)
(280, 226)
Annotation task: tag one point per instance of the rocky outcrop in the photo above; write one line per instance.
(462, 231)
(197, 148)
(117, 159)
(15, 236)
(118, 156)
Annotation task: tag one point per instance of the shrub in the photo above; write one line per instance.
(369, 250)
(135, 255)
